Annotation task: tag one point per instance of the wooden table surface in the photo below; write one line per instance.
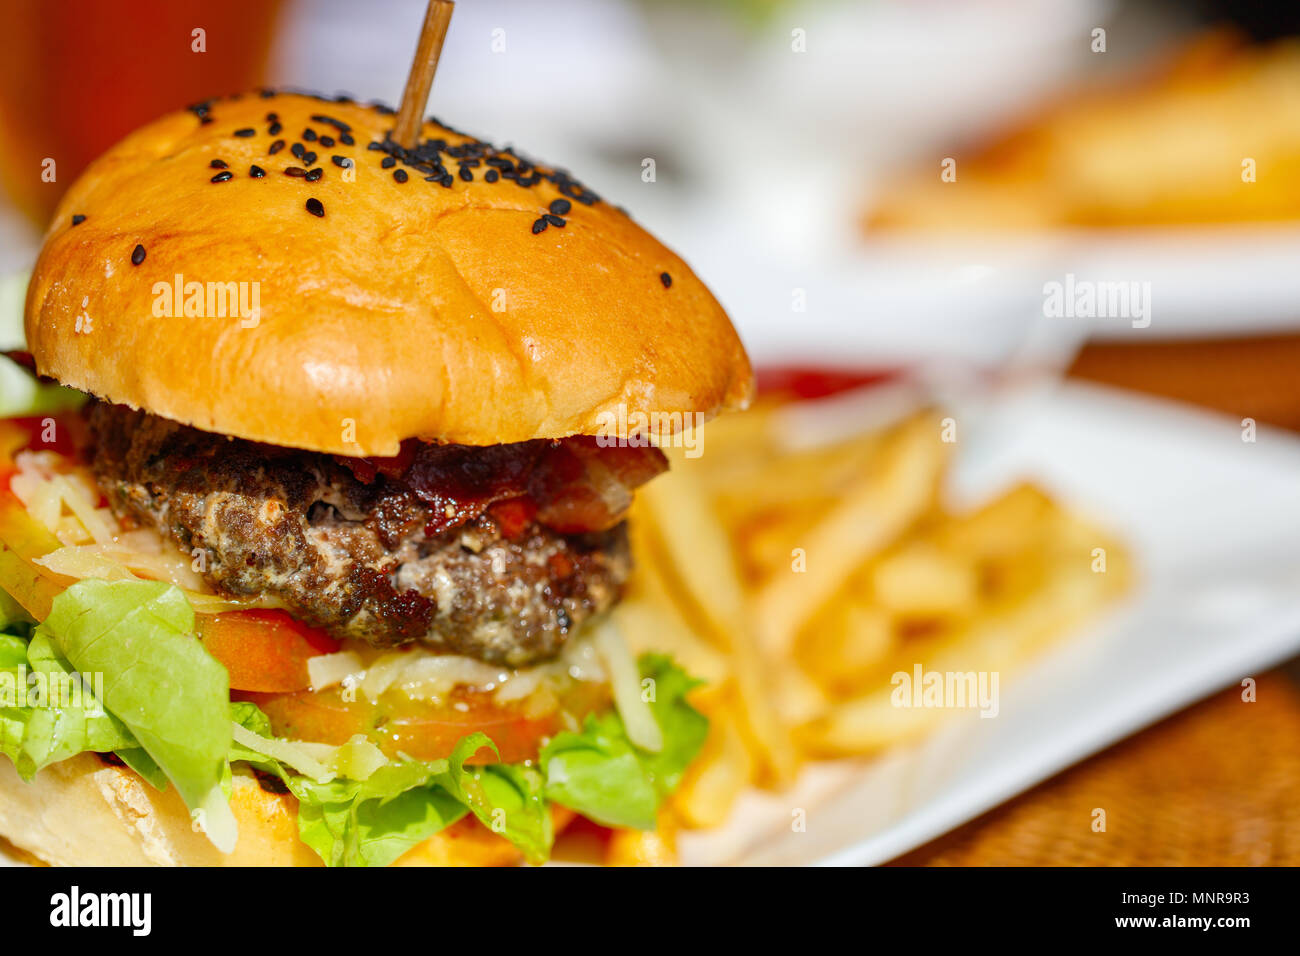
(1216, 784)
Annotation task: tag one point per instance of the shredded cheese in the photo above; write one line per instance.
(307, 758)
(327, 670)
(358, 759)
(382, 673)
(63, 498)
(625, 681)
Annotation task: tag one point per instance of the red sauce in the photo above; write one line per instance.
(808, 382)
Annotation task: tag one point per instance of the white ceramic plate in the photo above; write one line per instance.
(1218, 600)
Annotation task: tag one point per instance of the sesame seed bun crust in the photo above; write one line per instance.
(83, 812)
(449, 310)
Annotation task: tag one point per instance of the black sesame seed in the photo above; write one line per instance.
(218, 164)
(315, 207)
(137, 255)
(276, 147)
(446, 180)
(308, 158)
(266, 94)
(375, 145)
(246, 132)
(327, 141)
(224, 176)
(467, 174)
(339, 125)
(309, 135)
(491, 175)
(296, 171)
(400, 175)
(298, 149)
(314, 174)
(560, 207)
(388, 162)
(272, 117)
(554, 220)
(78, 219)
(275, 129)
(257, 172)
(539, 226)
(341, 161)
(666, 279)
(347, 140)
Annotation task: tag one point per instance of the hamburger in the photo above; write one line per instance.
(326, 568)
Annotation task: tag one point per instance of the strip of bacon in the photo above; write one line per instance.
(580, 486)
(572, 485)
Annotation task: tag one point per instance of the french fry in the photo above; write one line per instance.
(696, 558)
(657, 847)
(799, 665)
(873, 513)
(718, 776)
(998, 641)
(923, 580)
(845, 644)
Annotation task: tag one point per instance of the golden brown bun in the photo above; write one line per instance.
(408, 309)
(83, 812)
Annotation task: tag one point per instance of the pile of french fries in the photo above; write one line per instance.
(1178, 144)
(797, 578)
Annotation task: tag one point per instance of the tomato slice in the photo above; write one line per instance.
(263, 650)
(428, 733)
(418, 729)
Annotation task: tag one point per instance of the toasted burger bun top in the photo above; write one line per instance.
(388, 309)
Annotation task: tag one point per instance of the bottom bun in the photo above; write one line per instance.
(84, 812)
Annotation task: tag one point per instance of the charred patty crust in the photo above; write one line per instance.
(350, 557)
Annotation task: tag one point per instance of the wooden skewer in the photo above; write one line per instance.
(416, 95)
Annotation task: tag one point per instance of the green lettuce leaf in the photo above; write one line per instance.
(604, 776)
(139, 760)
(367, 822)
(507, 798)
(374, 821)
(20, 392)
(47, 714)
(13, 651)
(158, 680)
(12, 616)
(166, 712)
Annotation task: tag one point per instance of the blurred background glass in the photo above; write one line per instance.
(78, 75)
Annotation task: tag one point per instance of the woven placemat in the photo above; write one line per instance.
(1217, 785)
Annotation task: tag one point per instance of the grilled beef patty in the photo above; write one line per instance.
(349, 557)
